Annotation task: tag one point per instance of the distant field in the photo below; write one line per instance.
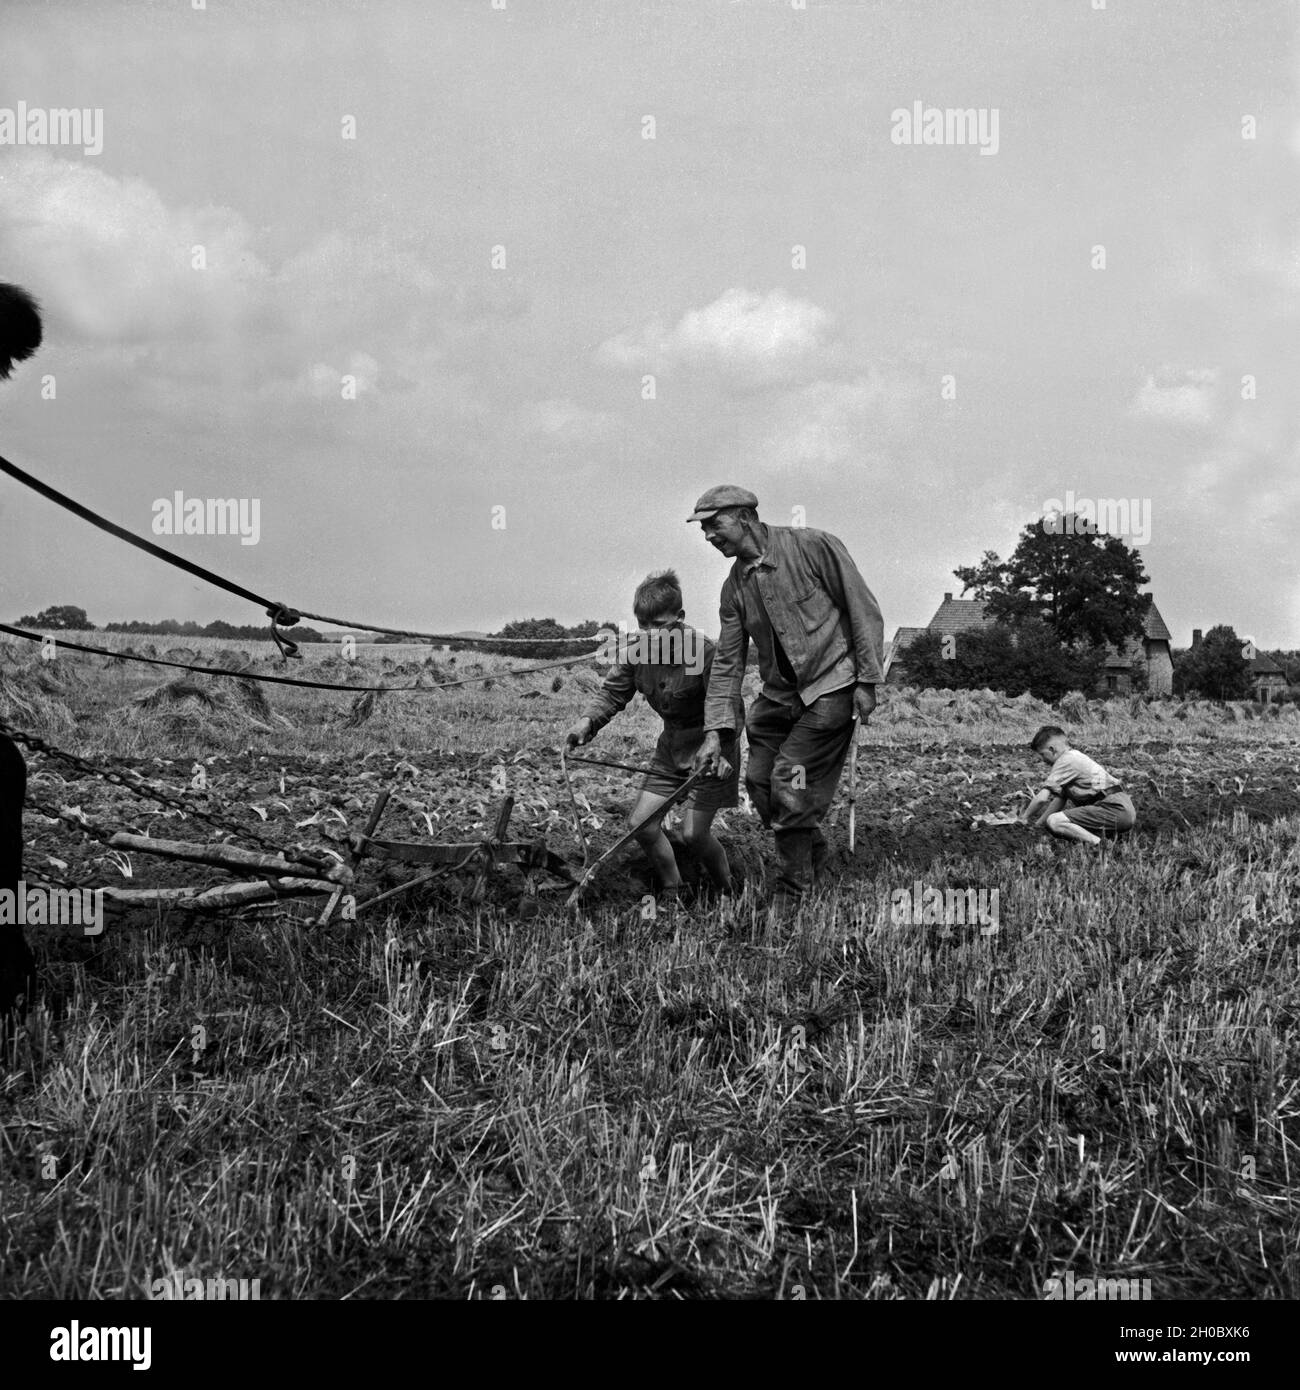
(449, 1098)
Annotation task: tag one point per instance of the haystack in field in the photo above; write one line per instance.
(1029, 705)
(251, 696)
(1073, 705)
(177, 691)
(362, 708)
(59, 677)
(195, 700)
(27, 707)
(585, 679)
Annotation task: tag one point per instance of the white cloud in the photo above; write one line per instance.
(753, 340)
(567, 422)
(322, 381)
(829, 425)
(114, 266)
(1178, 396)
(112, 263)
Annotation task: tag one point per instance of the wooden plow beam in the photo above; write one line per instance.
(281, 876)
(223, 895)
(484, 856)
(238, 861)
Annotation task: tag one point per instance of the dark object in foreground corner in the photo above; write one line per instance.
(17, 967)
(20, 327)
(20, 336)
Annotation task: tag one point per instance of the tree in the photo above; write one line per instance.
(1011, 659)
(171, 627)
(1217, 668)
(1083, 586)
(63, 618)
(1290, 663)
(925, 664)
(1048, 668)
(538, 629)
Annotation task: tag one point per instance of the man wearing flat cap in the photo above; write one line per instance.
(820, 637)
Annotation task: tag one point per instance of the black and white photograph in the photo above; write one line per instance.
(649, 651)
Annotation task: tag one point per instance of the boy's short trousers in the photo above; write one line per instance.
(1113, 813)
(671, 765)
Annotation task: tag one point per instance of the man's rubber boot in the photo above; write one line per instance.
(794, 854)
(821, 853)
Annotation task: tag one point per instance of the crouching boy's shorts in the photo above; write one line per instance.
(1113, 813)
(671, 766)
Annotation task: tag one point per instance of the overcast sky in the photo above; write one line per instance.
(521, 386)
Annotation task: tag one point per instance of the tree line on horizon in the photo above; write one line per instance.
(1063, 600)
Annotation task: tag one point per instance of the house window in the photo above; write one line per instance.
(1112, 682)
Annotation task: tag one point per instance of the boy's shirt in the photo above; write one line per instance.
(1077, 777)
(674, 692)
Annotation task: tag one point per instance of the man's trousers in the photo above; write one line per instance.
(796, 755)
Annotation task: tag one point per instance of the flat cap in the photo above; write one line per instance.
(724, 495)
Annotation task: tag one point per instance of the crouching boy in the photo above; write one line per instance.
(1080, 800)
(674, 680)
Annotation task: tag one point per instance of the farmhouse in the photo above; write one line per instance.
(958, 615)
(1267, 678)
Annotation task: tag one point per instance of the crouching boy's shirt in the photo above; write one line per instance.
(1079, 778)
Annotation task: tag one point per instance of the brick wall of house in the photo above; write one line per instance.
(1160, 669)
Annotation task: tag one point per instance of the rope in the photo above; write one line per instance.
(278, 612)
(291, 680)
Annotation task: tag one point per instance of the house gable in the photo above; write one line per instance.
(959, 615)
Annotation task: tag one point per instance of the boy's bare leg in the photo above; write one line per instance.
(1060, 824)
(697, 832)
(654, 842)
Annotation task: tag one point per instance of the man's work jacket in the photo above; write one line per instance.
(805, 593)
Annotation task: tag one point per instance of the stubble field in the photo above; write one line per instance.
(463, 1099)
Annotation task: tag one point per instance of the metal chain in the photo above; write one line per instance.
(77, 819)
(80, 821)
(46, 879)
(132, 782)
(54, 881)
